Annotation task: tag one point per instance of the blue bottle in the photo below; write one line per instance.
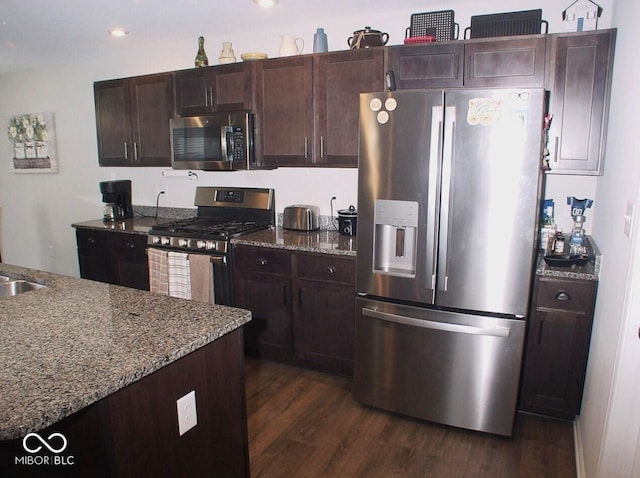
(320, 41)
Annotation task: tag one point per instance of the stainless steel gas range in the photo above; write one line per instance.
(223, 213)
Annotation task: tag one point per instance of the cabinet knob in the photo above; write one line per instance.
(562, 295)
(130, 246)
(329, 270)
(91, 240)
(261, 262)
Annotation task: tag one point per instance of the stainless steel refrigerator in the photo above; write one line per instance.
(448, 200)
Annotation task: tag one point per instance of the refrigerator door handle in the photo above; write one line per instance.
(497, 331)
(435, 151)
(445, 202)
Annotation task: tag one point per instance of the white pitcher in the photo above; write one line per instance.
(289, 45)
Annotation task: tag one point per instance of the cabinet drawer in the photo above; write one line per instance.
(327, 268)
(261, 259)
(130, 245)
(92, 243)
(565, 294)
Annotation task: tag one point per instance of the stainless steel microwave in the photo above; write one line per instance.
(218, 142)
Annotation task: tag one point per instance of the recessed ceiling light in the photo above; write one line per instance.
(118, 32)
(266, 3)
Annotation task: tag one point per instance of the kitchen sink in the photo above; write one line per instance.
(12, 287)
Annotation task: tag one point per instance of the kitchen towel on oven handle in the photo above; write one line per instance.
(201, 275)
(158, 271)
(179, 275)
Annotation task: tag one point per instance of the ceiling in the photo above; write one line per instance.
(42, 33)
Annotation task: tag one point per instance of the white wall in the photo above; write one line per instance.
(38, 209)
(619, 185)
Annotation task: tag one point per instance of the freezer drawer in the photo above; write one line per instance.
(457, 369)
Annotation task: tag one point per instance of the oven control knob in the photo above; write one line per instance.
(211, 245)
(155, 240)
(201, 244)
(183, 243)
(165, 241)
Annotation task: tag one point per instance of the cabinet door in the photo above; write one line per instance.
(233, 87)
(339, 78)
(132, 120)
(217, 88)
(580, 90)
(193, 91)
(129, 259)
(268, 297)
(284, 103)
(324, 312)
(558, 338)
(152, 107)
(505, 63)
(113, 122)
(262, 284)
(427, 66)
(93, 255)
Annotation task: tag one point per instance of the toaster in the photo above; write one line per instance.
(301, 217)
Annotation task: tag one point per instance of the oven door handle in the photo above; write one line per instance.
(497, 331)
(218, 260)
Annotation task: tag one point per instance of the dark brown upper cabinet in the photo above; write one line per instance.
(507, 62)
(307, 106)
(504, 62)
(132, 120)
(338, 80)
(213, 89)
(580, 85)
(437, 65)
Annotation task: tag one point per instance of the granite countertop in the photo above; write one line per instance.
(136, 225)
(590, 271)
(72, 343)
(322, 241)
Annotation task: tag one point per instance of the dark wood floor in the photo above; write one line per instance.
(306, 424)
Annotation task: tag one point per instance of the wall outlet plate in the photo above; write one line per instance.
(187, 413)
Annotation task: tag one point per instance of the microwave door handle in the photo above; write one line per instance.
(225, 146)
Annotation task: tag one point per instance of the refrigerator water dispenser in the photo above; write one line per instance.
(395, 237)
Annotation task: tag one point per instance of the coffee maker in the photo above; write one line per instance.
(117, 198)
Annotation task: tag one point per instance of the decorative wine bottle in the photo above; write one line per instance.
(201, 56)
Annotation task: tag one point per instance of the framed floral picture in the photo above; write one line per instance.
(32, 138)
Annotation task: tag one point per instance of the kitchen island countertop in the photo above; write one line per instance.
(72, 343)
(320, 241)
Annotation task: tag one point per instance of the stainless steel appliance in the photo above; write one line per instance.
(220, 142)
(301, 217)
(117, 198)
(223, 213)
(448, 204)
(348, 221)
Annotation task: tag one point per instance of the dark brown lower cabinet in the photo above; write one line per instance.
(303, 306)
(134, 431)
(558, 337)
(113, 257)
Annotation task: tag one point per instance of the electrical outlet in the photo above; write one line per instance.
(187, 413)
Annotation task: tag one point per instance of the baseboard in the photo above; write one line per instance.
(577, 443)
